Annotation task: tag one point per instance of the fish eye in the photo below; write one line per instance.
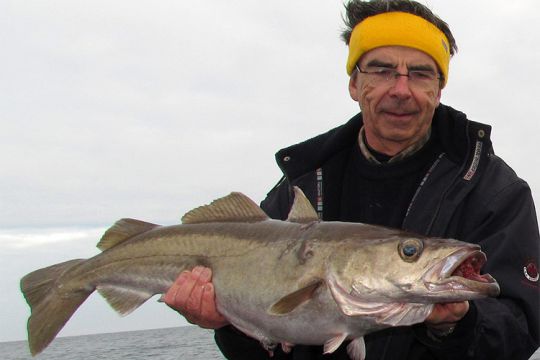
(410, 249)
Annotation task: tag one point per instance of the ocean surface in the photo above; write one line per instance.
(180, 343)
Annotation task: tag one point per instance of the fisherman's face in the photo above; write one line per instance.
(398, 112)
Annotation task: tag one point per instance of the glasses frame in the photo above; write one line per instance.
(393, 75)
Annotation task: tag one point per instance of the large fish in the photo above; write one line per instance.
(299, 281)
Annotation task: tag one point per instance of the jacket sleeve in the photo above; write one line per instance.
(504, 224)
(235, 345)
(508, 327)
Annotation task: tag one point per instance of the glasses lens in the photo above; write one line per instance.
(421, 75)
(389, 76)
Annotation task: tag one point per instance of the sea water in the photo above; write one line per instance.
(181, 343)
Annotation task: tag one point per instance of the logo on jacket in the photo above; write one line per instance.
(531, 271)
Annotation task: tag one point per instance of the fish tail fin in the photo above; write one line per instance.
(50, 308)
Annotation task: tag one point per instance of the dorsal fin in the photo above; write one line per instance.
(302, 211)
(123, 230)
(235, 207)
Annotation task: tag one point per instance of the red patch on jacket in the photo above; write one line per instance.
(530, 270)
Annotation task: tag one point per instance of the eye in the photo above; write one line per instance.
(410, 249)
(421, 75)
(386, 72)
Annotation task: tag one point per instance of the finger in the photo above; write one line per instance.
(202, 276)
(181, 290)
(193, 302)
(456, 309)
(459, 309)
(170, 294)
(447, 313)
(197, 270)
(209, 310)
(208, 302)
(205, 275)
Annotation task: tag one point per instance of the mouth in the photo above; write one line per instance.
(460, 273)
(399, 114)
(397, 111)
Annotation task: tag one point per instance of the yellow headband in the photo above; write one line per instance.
(399, 29)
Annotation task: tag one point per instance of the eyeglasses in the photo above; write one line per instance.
(389, 76)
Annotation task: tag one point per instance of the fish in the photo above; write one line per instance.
(297, 281)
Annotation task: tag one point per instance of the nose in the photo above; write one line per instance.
(401, 87)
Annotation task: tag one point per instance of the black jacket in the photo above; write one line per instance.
(469, 194)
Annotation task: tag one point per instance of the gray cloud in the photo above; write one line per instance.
(148, 109)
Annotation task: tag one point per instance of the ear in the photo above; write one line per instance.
(353, 86)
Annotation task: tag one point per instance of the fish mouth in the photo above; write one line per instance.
(459, 273)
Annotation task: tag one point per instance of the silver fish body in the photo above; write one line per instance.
(298, 281)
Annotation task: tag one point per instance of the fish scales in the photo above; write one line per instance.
(155, 259)
(299, 281)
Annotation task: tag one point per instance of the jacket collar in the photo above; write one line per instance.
(458, 138)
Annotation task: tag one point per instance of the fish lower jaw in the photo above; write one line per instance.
(459, 288)
(448, 284)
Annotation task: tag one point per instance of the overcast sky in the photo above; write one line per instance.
(146, 109)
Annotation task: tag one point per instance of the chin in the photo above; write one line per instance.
(399, 135)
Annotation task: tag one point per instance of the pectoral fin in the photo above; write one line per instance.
(291, 301)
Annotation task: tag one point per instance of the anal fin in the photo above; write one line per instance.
(332, 345)
(357, 349)
(124, 299)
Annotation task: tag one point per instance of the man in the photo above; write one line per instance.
(409, 162)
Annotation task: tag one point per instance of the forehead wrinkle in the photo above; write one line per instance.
(381, 63)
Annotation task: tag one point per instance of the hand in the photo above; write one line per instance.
(192, 295)
(443, 317)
